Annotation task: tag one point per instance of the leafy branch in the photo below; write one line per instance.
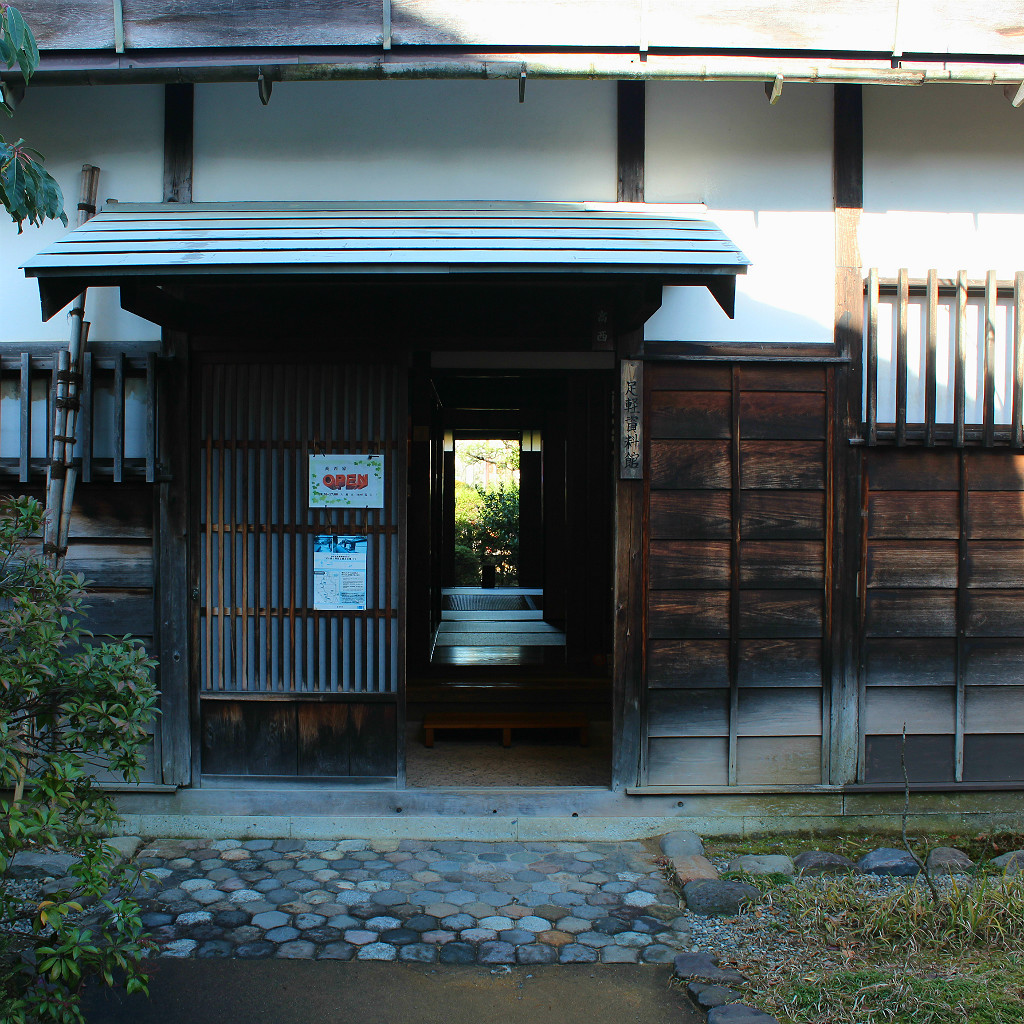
(27, 190)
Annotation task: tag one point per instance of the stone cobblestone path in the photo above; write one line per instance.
(422, 901)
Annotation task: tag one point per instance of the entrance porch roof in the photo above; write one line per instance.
(182, 243)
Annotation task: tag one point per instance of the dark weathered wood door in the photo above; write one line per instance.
(739, 567)
(284, 688)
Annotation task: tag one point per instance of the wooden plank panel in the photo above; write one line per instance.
(995, 612)
(995, 709)
(679, 664)
(921, 709)
(119, 613)
(112, 565)
(904, 662)
(791, 415)
(911, 613)
(779, 515)
(782, 563)
(688, 713)
(683, 465)
(769, 465)
(689, 414)
(780, 613)
(679, 564)
(689, 377)
(685, 614)
(994, 662)
(995, 515)
(928, 759)
(778, 761)
(223, 737)
(270, 738)
(996, 471)
(373, 740)
(779, 711)
(996, 564)
(911, 515)
(323, 739)
(690, 761)
(922, 563)
(913, 471)
(756, 377)
(993, 758)
(689, 514)
(779, 662)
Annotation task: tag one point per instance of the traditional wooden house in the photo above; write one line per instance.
(743, 284)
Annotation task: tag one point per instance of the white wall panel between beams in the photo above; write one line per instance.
(765, 174)
(397, 141)
(119, 130)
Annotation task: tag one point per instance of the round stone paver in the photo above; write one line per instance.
(418, 901)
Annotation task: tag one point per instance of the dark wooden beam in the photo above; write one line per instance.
(632, 120)
(848, 201)
(179, 105)
(173, 591)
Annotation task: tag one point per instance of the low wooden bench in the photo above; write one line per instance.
(506, 721)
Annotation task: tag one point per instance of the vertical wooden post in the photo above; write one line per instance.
(902, 311)
(173, 568)
(629, 620)
(848, 201)
(931, 323)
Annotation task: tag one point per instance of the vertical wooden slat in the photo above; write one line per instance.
(301, 539)
(389, 390)
(25, 426)
(902, 369)
(990, 357)
(960, 365)
(313, 448)
(828, 574)
(243, 433)
(150, 417)
(862, 601)
(961, 620)
(284, 681)
(269, 406)
(872, 373)
(221, 448)
(209, 398)
(1018, 359)
(931, 327)
(256, 515)
(348, 622)
(399, 510)
(86, 432)
(734, 579)
(119, 437)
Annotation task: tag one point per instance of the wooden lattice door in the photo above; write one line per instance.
(285, 688)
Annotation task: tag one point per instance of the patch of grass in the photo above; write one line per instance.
(979, 993)
(765, 883)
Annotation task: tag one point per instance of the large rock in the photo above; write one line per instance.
(689, 869)
(889, 861)
(740, 1013)
(820, 862)
(707, 997)
(1012, 863)
(704, 967)
(945, 860)
(41, 864)
(707, 897)
(763, 864)
(126, 846)
(682, 844)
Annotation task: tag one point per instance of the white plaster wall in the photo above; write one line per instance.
(765, 175)
(380, 141)
(120, 130)
(943, 181)
(943, 189)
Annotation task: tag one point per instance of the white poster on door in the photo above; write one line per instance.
(339, 573)
(346, 481)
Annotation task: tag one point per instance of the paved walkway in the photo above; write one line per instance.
(411, 900)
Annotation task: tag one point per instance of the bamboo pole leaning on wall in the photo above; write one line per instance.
(61, 472)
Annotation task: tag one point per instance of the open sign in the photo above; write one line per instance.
(346, 481)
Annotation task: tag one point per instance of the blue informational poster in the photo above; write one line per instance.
(339, 573)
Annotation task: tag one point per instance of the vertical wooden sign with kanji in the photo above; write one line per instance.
(631, 420)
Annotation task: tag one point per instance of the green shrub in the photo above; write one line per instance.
(467, 567)
(68, 707)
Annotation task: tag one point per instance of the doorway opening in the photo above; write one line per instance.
(510, 579)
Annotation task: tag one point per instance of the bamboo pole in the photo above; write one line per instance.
(61, 472)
